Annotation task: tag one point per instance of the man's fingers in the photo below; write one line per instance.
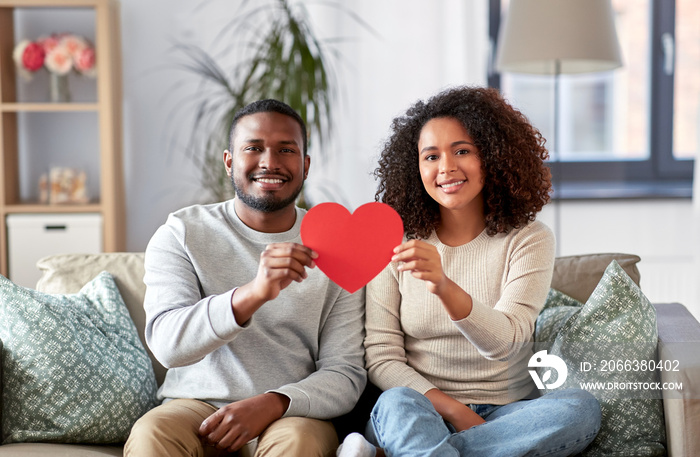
(297, 251)
(213, 435)
(222, 431)
(277, 259)
(280, 264)
(238, 442)
(229, 440)
(226, 429)
(209, 424)
(283, 267)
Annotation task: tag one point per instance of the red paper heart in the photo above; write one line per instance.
(352, 248)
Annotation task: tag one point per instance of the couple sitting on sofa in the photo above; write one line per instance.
(263, 348)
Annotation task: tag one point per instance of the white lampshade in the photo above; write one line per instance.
(579, 34)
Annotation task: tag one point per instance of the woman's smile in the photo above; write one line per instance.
(452, 186)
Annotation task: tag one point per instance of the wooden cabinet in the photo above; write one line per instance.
(96, 117)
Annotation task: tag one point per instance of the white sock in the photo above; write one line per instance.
(355, 445)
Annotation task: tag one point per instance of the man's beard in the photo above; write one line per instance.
(267, 204)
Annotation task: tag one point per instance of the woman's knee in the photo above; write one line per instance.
(583, 407)
(399, 395)
(400, 405)
(591, 407)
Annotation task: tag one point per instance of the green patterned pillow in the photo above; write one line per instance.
(74, 369)
(550, 322)
(608, 342)
(556, 299)
(558, 309)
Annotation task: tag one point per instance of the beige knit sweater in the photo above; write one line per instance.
(412, 342)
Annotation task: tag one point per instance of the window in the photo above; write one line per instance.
(633, 132)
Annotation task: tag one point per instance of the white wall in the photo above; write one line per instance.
(422, 47)
(159, 178)
(661, 232)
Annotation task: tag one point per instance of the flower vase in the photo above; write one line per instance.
(58, 88)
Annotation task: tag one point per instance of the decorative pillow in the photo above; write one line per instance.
(74, 369)
(609, 341)
(556, 299)
(549, 324)
(558, 309)
(68, 273)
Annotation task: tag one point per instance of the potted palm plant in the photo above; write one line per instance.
(286, 61)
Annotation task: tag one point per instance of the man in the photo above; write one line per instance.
(258, 342)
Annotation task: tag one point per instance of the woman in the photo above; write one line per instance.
(450, 321)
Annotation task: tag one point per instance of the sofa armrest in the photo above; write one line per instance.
(679, 340)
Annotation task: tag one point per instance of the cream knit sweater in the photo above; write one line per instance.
(481, 359)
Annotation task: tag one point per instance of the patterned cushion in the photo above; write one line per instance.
(556, 299)
(558, 309)
(550, 322)
(74, 370)
(617, 323)
(68, 273)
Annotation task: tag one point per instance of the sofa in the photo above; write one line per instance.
(576, 276)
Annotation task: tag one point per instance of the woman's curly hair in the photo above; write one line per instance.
(517, 183)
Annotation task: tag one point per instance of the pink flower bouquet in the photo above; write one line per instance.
(59, 53)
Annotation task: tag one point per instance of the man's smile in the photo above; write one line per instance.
(269, 181)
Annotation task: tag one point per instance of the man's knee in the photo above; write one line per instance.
(170, 429)
(297, 437)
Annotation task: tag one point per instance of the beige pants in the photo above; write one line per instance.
(171, 430)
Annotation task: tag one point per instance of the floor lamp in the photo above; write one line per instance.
(555, 37)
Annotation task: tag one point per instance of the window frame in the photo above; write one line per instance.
(661, 174)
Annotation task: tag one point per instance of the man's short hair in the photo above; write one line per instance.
(268, 106)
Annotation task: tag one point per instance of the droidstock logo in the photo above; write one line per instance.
(543, 360)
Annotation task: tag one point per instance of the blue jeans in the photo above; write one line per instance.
(404, 423)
